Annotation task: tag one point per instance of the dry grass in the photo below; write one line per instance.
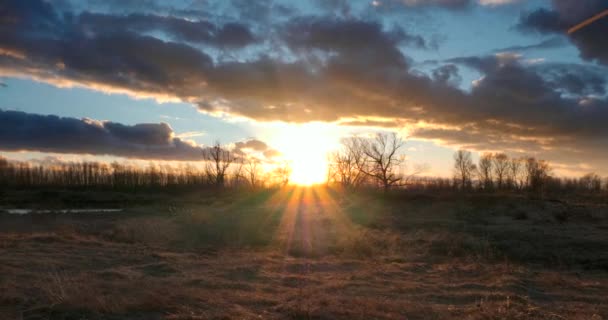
(307, 256)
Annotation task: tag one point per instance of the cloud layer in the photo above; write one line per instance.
(21, 131)
(324, 67)
(564, 14)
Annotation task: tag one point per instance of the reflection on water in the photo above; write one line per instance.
(36, 211)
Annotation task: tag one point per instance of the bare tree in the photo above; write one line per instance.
(349, 164)
(463, 168)
(485, 170)
(383, 159)
(516, 174)
(282, 173)
(591, 182)
(537, 174)
(218, 162)
(252, 171)
(238, 172)
(501, 167)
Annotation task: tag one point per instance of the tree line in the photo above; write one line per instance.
(377, 162)
(362, 162)
(498, 171)
(220, 167)
(370, 161)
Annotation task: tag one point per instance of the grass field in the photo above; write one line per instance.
(304, 253)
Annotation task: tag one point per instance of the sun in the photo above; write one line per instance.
(305, 147)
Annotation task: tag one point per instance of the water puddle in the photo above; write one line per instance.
(37, 211)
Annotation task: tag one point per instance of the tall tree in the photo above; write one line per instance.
(501, 167)
(516, 174)
(383, 159)
(464, 168)
(485, 170)
(537, 174)
(252, 171)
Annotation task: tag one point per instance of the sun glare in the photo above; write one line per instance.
(306, 147)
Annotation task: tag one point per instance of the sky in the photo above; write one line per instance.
(162, 80)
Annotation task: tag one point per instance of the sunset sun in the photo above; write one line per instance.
(305, 147)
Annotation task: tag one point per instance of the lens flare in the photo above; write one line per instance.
(306, 147)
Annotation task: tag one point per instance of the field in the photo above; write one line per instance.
(303, 253)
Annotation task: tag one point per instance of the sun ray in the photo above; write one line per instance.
(305, 147)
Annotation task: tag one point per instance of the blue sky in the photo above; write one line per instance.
(497, 76)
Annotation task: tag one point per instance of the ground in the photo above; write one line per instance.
(304, 253)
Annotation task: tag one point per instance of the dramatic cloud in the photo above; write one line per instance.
(590, 40)
(152, 141)
(229, 35)
(349, 70)
(574, 79)
(254, 146)
(447, 74)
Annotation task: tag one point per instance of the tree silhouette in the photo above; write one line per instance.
(218, 161)
(463, 168)
(383, 159)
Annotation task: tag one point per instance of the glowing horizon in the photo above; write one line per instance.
(306, 147)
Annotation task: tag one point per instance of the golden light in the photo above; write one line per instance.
(305, 147)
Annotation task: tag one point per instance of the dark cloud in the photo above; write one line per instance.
(152, 141)
(354, 40)
(521, 109)
(554, 42)
(253, 144)
(229, 35)
(257, 146)
(564, 14)
(447, 74)
(327, 69)
(513, 92)
(575, 79)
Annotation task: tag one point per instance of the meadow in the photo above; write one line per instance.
(303, 253)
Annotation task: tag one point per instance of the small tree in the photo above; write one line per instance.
(252, 171)
(218, 161)
(485, 169)
(349, 164)
(283, 172)
(591, 182)
(463, 168)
